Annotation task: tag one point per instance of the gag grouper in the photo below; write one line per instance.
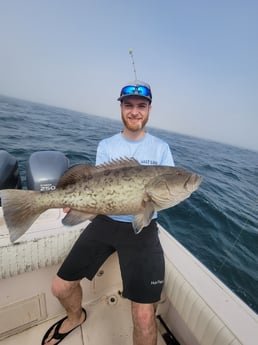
(117, 188)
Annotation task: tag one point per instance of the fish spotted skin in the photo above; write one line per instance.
(117, 188)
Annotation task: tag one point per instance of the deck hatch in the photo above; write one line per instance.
(21, 315)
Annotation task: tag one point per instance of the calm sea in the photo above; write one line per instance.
(218, 224)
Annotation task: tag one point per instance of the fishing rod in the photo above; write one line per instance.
(134, 69)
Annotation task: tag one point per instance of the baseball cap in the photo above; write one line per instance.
(136, 88)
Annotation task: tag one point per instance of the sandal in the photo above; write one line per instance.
(57, 325)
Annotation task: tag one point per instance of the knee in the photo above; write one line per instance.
(61, 288)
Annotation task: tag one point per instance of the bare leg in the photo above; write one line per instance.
(145, 328)
(69, 295)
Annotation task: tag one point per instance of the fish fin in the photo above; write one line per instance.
(19, 210)
(143, 219)
(75, 217)
(118, 163)
(75, 173)
(85, 171)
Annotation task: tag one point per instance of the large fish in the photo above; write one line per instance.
(117, 188)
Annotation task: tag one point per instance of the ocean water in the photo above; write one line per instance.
(218, 223)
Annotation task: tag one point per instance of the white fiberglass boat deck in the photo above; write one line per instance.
(196, 307)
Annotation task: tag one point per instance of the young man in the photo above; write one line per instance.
(140, 255)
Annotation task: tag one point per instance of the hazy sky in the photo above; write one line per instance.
(200, 57)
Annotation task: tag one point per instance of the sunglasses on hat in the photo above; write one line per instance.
(136, 90)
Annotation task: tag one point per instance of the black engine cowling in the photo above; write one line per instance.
(9, 171)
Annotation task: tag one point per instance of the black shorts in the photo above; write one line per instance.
(140, 256)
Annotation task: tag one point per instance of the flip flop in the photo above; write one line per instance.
(57, 325)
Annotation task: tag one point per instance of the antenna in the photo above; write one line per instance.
(131, 53)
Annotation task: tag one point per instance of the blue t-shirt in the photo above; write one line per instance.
(148, 151)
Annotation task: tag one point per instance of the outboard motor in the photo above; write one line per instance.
(9, 171)
(44, 168)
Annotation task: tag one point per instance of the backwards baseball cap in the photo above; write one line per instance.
(136, 88)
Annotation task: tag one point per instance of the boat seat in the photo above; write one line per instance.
(188, 312)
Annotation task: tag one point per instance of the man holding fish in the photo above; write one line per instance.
(143, 252)
(134, 177)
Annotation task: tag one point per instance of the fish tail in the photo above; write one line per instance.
(20, 210)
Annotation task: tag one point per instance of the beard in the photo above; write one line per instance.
(134, 125)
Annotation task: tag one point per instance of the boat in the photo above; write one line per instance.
(196, 308)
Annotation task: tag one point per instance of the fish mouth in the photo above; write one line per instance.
(193, 182)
